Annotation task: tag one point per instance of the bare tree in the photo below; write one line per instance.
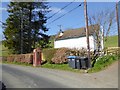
(105, 21)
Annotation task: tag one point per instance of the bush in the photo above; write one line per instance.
(106, 59)
(61, 56)
(48, 54)
(78, 52)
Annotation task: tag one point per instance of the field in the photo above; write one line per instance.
(3, 50)
(112, 41)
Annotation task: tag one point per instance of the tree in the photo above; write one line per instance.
(25, 26)
(105, 20)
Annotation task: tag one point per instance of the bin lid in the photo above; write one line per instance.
(73, 57)
(83, 57)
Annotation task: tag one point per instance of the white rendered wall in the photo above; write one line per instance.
(75, 43)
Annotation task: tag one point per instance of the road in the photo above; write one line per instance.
(16, 76)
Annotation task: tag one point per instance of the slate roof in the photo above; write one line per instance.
(75, 33)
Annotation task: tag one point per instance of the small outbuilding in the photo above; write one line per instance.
(76, 38)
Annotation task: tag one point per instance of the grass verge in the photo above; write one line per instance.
(64, 67)
(103, 62)
(61, 67)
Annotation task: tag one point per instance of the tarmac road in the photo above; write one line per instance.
(16, 76)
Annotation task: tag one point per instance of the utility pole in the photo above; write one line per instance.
(87, 33)
(118, 25)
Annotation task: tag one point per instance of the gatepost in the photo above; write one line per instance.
(37, 57)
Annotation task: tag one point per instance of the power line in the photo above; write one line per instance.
(60, 9)
(65, 14)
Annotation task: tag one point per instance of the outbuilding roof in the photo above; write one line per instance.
(75, 33)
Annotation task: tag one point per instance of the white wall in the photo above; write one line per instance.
(75, 43)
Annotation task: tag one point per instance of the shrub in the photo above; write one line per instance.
(48, 54)
(61, 56)
(105, 59)
(78, 52)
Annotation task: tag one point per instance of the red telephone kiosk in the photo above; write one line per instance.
(37, 58)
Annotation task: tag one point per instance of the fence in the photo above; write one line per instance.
(113, 50)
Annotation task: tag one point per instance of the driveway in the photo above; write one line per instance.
(16, 76)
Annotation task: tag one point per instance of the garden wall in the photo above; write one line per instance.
(23, 58)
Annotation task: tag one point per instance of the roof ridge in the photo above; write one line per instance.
(75, 33)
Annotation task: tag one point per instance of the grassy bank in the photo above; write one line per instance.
(103, 62)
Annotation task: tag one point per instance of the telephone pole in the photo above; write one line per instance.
(118, 21)
(87, 33)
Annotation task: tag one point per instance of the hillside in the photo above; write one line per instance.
(112, 41)
(3, 50)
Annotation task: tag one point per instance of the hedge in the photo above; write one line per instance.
(48, 54)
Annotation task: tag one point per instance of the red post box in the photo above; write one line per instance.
(37, 58)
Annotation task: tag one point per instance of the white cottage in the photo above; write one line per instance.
(76, 38)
